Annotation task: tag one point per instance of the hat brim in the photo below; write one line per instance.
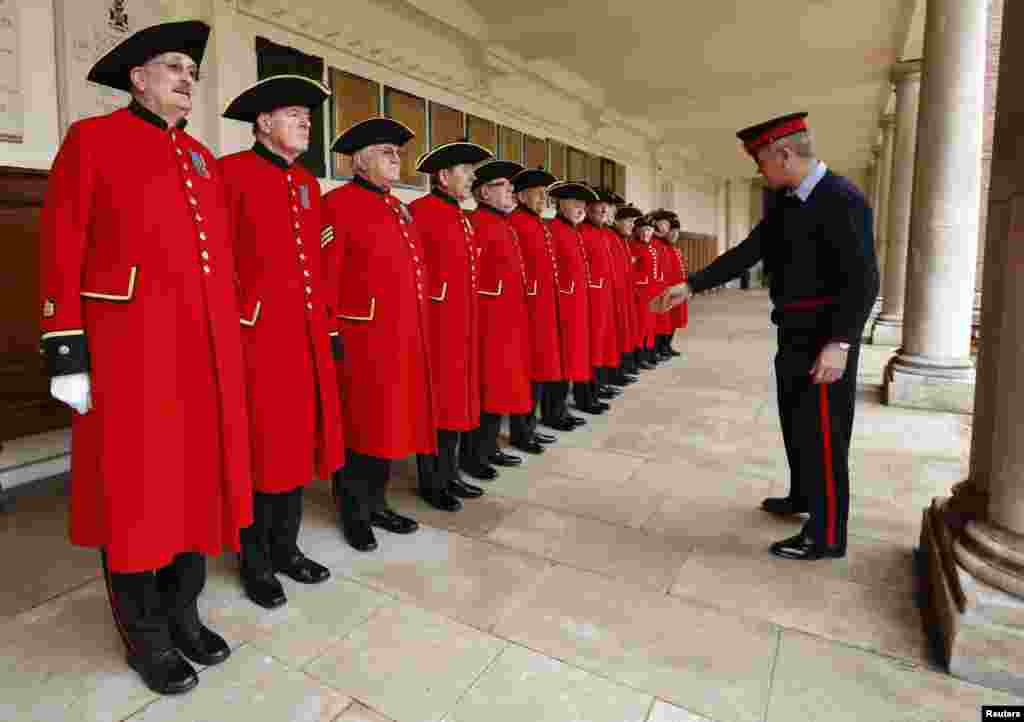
(496, 170)
(279, 91)
(532, 178)
(567, 190)
(114, 68)
(372, 131)
(450, 155)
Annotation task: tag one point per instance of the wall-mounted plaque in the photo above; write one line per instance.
(12, 109)
(86, 29)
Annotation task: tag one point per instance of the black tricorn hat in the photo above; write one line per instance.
(626, 212)
(606, 196)
(571, 190)
(496, 170)
(531, 178)
(674, 223)
(450, 155)
(114, 68)
(760, 135)
(372, 131)
(644, 221)
(278, 91)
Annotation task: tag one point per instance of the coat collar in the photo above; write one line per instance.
(144, 113)
(360, 181)
(447, 198)
(264, 152)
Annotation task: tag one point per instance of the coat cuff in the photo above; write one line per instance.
(65, 352)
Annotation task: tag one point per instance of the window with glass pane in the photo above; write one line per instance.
(410, 110)
(620, 179)
(482, 132)
(511, 144)
(353, 100)
(535, 152)
(577, 166)
(557, 159)
(447, 125)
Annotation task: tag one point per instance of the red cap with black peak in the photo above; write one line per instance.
(762, 134)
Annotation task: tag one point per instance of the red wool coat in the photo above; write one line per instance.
(573, 300)
(604, 344)
(681, 313)
(542, 282)
(135, 254)
(291, 379)
(669, 275)
(454, 311)
(646, 271)
(504, 320)
(376, 284)
(626, 303)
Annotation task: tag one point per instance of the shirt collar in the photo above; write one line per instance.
(149, 116)
(360, 181)
(264, 152)
(810, 181)
(446, 197)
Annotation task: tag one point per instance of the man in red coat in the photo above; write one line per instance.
(619, 232)
(141, 337)
(680, 314)
(376, 281)
(546, 371)
(574, 299)
(294, 411)
(504, 320)
(647, 272)
(671, 274)
(450, 252)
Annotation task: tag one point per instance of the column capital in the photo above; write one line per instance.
(906, 70)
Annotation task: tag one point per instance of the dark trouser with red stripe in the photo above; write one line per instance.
(817, 422)
(145, 604)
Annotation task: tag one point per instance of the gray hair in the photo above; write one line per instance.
(800, 143)
(360, 162)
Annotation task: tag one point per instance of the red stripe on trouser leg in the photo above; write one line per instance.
(830, 482)
(113, 604)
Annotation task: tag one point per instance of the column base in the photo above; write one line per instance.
(913, 385)
(887, 331)
(980, 631)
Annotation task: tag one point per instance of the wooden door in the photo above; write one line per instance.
(25, 403)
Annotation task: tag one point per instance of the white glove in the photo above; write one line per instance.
(75, 390)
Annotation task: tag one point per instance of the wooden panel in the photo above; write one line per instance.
(594, 170)
(556, 159)
(607, 174)
(354, 100)
(620, 179)
(412, 111)
(482, 131)
(535, 153)
(25, 403)
(577, 165)
(511, 144)
(447, 125)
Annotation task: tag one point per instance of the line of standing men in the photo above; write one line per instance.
(226, 335)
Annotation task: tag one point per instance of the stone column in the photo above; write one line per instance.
(888, 329)
(739, 215)
(934, 369)
(888, 125)
(876, 185)
(973, 544)
(722, 218)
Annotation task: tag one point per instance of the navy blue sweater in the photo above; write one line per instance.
(820, 255)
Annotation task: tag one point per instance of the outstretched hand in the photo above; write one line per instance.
(670, 298)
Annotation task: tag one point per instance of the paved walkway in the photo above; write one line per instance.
(623, 576)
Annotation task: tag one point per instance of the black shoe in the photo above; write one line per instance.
(199, 643)
(395, 523)
(481, 471)
(804, 548)
(500, 458)
(672, 352)
(544, 438)
(359, 535)
(606, 392)
(464, 490)
(576, 420)
(302, 569)
(164, 672)
(592, 409)
(529, 446)
(645, 365)
(784, 505)
(441, 499)
(558, 424)
(264, 589)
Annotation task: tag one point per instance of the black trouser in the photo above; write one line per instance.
(435, 471)
(364, 484)
(477, 445)
(146, 604)
(817, 423)
(521, 427)
(274, 533)
(584, 393)
(553, 406)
